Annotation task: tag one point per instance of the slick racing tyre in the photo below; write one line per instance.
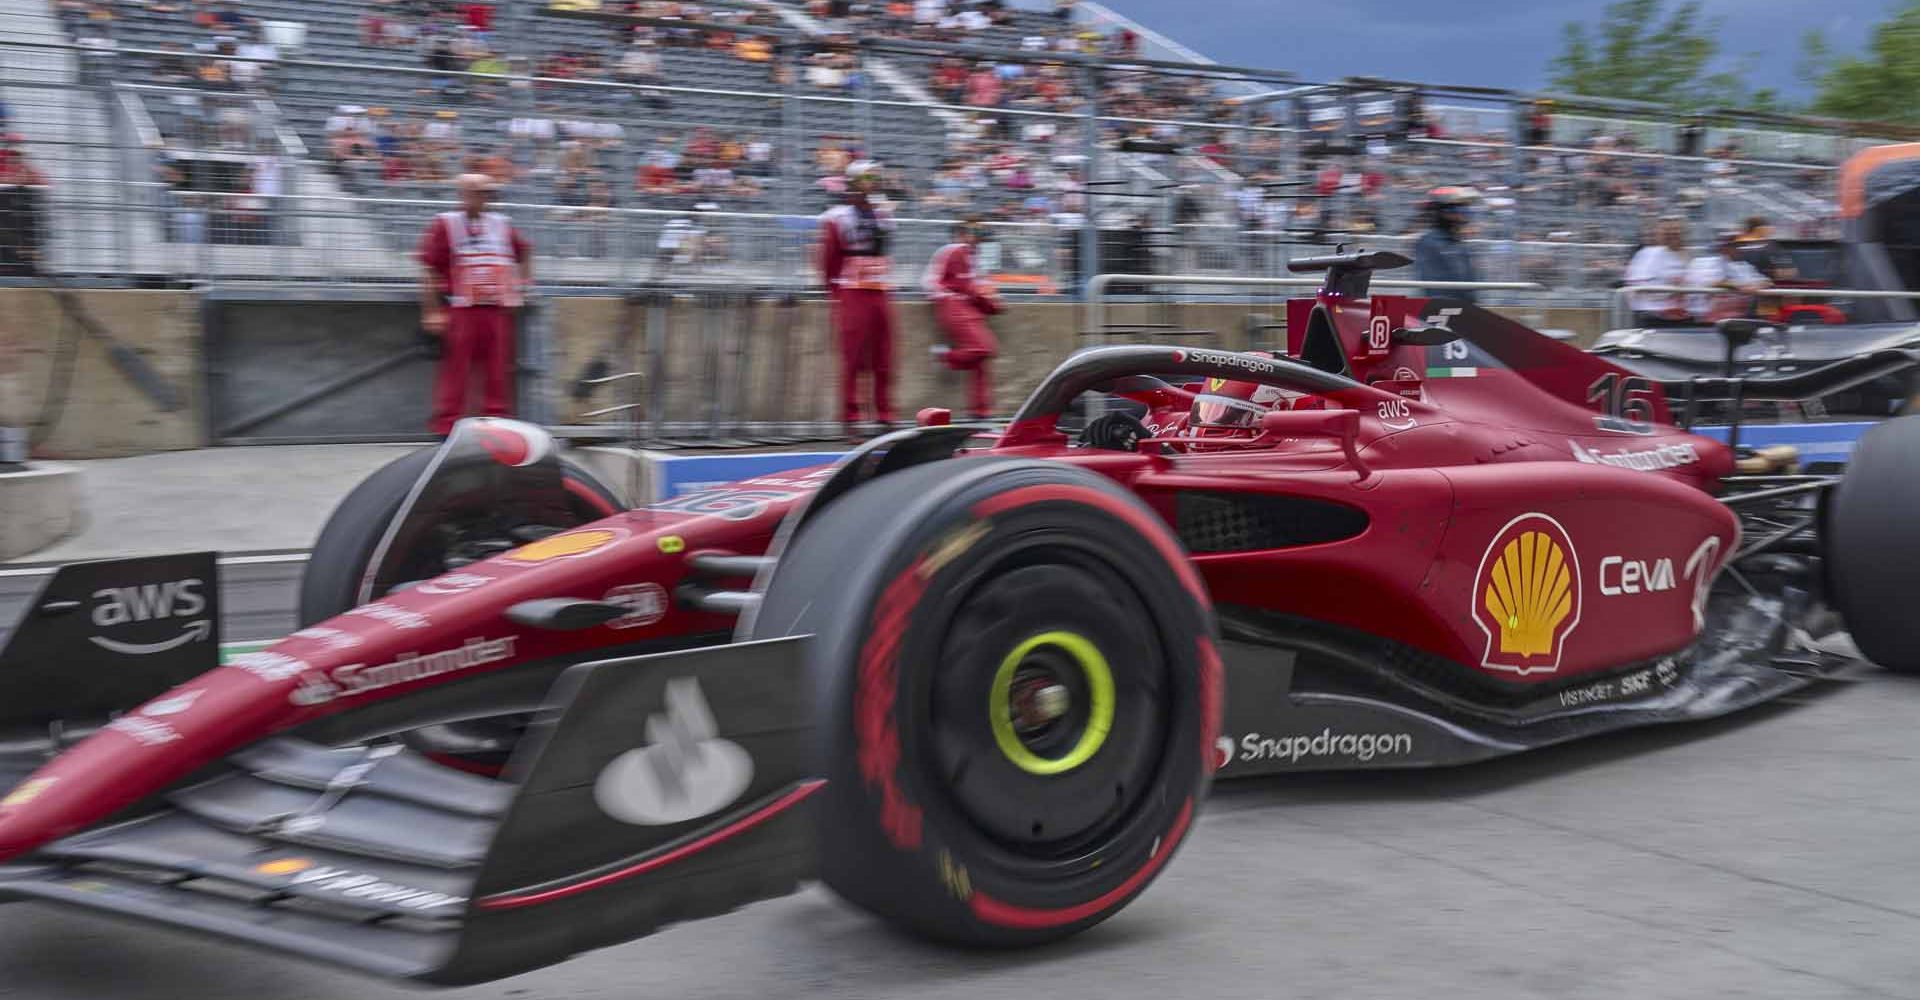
(354, 529)
(1018, 695)
(1872, 544)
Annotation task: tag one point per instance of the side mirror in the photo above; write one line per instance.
(1340, 425)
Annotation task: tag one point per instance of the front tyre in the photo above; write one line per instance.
(1872, 544)
(1018, 695)
(348, 541)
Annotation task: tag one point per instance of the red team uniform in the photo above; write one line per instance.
(962, 303)
(478, 261)
(854, 267)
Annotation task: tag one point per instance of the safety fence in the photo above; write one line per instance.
(1701, 300)
(320, 158)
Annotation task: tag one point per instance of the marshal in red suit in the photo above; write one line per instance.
(854, 267)
(962, 303)
(481, 264)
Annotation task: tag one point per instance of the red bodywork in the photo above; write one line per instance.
(1506, 533)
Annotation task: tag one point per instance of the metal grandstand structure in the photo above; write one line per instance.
(156, 175)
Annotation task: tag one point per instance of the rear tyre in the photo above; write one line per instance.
(1873, 544)
(1017, 695)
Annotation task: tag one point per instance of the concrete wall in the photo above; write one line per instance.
(39, 505)
(103, 414)
(1034, 337)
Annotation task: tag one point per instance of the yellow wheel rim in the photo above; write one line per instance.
(1099, 678)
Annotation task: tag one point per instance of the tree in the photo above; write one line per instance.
(1881, 84)
(1641, 51)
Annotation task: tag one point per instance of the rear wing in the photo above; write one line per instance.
(653, 790)
(1621, 398)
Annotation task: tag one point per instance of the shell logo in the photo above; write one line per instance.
(1527, 595)
(1216, 384)
(565, 545)
(283, 866)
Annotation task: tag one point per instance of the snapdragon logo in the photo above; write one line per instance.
(1326, 743)
(1245, 362)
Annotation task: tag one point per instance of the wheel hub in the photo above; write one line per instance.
(1051, 704)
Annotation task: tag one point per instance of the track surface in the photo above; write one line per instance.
(1769, 855)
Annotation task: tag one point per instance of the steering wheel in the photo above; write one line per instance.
(1114, 431)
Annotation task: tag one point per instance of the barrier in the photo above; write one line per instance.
(1097, 289)
(1816, 442)
(684, 475)
(1620, 316)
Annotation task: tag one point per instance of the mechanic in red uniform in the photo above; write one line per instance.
(481, 264)
(854, 267)
(962, 303)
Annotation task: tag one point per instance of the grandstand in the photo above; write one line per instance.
(288, 141)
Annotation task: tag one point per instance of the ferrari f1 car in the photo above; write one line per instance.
(977, 682)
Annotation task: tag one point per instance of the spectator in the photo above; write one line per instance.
(1663, 263)
(639, 64)
(172, 68)
(497, 165)
(1724, 269)
(1442, 253)
(444, 128)
(22, 192)
(1757, 249)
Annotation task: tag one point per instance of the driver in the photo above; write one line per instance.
(1227, 410)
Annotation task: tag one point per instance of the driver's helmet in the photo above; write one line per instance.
(1227, 404)
(1227, 408)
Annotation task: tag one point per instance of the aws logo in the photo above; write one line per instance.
(125, 605)
(151, 602)
(1527, 595)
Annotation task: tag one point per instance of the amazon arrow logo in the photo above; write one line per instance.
(195, 631)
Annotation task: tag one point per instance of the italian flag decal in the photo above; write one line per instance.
(1452, 372)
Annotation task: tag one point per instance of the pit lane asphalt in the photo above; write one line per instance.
(1768, 855)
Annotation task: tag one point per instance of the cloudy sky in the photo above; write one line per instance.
(1496, 43)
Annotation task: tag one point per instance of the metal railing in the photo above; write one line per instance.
(1620, 313)
(1097, 288)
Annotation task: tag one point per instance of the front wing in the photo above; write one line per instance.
(654, 790)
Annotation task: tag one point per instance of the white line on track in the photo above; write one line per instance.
(259, 560)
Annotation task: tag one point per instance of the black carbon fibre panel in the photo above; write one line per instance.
(1209, 522)
(405, 777)
(361, 824)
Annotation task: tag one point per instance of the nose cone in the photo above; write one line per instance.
(139, 753)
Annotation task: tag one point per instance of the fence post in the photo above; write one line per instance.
(864, 94)
(117, 127)
(1090, 153)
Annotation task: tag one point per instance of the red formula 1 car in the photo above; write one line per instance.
(977, 683)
